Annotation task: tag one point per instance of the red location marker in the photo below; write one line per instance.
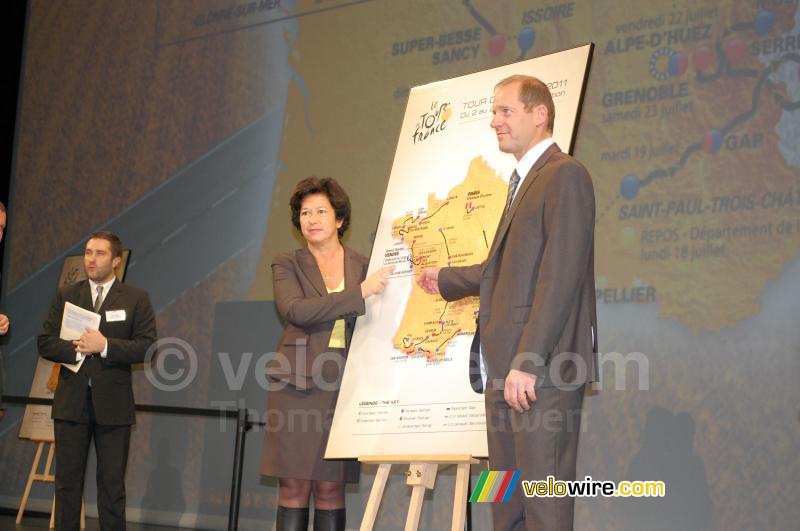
(736, 51)
(497, 43)
(702, 57)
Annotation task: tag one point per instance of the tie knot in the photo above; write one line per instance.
(514, 180)
(99, 291)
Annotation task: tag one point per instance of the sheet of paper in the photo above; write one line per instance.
(73, 323)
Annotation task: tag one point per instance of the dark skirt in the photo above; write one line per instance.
(298, 422)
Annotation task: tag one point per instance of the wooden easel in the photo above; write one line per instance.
(47, 477)
(420, 476)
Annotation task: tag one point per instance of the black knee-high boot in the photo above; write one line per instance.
(329, 519)
(292, 519)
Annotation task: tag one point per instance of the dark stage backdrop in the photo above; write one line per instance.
(182, 125)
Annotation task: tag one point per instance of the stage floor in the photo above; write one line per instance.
(38, 522)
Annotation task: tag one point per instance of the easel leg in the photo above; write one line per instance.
(421, 477)
(48, 466)
(460, 497)
(50, 476)
(415, 509)
(34, 471)
(375, 495)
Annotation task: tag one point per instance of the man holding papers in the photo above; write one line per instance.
(94, 397)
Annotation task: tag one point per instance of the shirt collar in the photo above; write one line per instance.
(529, 159)
(106, 286)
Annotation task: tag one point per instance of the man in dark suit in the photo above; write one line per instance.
(536, 340)
(97, 401)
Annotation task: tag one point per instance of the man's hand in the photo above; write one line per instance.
(4, 324)
(429, 280)
(92, 341)
(519, 391)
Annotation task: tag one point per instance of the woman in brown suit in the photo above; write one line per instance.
(319, 292)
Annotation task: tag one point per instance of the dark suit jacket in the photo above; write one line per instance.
(536, 285)
(128, 342)
(310, 312)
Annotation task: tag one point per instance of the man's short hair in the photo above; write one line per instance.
(332, 190)
(532, 92)
(111, 238)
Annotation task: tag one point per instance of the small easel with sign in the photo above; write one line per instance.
(421, 476)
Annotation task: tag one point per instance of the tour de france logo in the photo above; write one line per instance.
(433, 121)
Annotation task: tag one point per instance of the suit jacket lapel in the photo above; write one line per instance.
(352, 274)
(85, 296)
(352, 277)
(523, 187)
(310, 270)
(108, 300)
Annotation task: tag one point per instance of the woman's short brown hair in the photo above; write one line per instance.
(332, 190)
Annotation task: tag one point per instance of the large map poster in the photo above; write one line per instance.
(406, 388)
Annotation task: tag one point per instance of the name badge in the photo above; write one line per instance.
(115, 315)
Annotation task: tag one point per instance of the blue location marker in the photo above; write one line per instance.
(630, 186)
(677, 64)
(526, 38)
(763, 22)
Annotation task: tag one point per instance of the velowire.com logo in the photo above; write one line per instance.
(495, 486)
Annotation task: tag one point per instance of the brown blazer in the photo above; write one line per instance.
(536, 285)
(309, 312)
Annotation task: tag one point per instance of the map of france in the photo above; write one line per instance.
(455, 231)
